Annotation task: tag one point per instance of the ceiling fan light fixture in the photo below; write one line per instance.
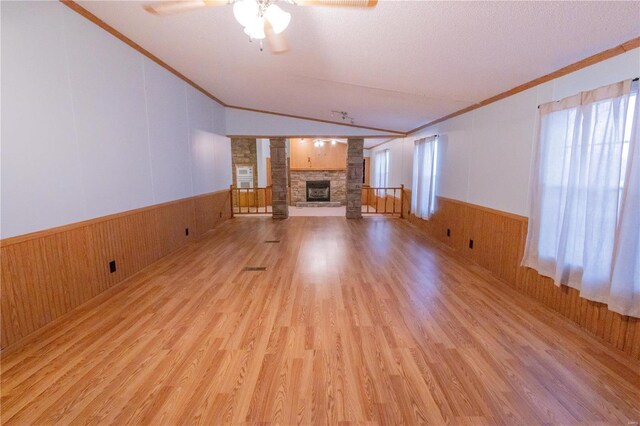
(278, 18)
(255, 29)
(245, 11)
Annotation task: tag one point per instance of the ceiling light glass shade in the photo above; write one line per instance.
(255, 29)
(245, 11)
(278, 18)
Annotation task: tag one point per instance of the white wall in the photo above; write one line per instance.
(485, 155)
(263, 150)
(248, 123)
(91, 127)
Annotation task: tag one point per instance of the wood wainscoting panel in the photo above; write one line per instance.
(48, 273)
(498, 246)
(131, 241)
(351, 322)
(211, 209)
(173, 223)
(44, 278)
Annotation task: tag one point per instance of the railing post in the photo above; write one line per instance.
(367, 189)
(231, 198)
(401, 201)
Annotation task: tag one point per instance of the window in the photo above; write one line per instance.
(581, 175)
(425, 160)
(381, 171)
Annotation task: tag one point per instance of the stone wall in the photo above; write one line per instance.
(354, 177)
(244, 153)
(279, 189)
(338, 180)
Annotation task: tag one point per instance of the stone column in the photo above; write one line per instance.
(354, 177)
(280, 192)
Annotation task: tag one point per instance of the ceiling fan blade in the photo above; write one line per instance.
(277, 42)
(338, 3)
(177, 6)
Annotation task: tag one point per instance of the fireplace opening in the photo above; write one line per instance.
(318, 190)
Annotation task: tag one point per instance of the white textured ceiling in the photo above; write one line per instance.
(395, 67)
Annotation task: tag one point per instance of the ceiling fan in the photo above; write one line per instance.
(261, 19)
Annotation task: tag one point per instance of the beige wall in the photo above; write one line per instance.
(328, 157)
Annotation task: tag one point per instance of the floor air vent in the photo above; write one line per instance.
(272, 241)
(255, 268)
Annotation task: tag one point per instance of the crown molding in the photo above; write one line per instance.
(583, 63)
(117, 34)
(71, 4)
(591, 60)
(386, 141)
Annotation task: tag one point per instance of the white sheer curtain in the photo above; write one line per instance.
(381, 171)
(625, 282)
(578, 186)
(423, 191)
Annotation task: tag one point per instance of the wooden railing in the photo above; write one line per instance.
(250, 200)
(383, 200)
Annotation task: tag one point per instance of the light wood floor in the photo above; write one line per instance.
(353, 321)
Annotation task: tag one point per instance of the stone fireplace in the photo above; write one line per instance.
(318, 190)
(328, 184)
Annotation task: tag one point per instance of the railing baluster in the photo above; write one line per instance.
(394, 200)
(381, 196)
(384, 200)
(367, 198)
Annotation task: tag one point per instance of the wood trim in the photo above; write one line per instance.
(487, 209)
(591, 60)
(48, 273)
(117, 34)
(394, 330)
(386, 141)
(71, 4)
(598, 57)
(367, 171)
(75, 225)
(499, 239)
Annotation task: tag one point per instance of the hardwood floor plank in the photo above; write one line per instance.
(352, 322)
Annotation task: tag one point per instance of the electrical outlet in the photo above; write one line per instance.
(112, 266)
